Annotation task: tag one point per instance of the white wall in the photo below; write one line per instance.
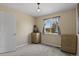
(24, 24)
(77, 29)
(67, 26)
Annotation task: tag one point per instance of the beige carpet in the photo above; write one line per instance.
(36, 50)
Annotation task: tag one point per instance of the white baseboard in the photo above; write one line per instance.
(21, 45)
(54, 45)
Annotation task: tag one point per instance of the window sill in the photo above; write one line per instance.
(51, 33)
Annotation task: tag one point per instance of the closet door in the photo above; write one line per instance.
(8, 32)
(2, 44)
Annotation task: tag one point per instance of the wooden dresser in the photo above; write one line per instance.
(69, 43)
(36, 37)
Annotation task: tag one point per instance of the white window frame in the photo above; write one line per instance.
(44, 28)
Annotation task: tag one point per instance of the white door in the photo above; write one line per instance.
(8, 32)
(1, 34)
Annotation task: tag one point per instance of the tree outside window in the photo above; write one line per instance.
(51, 25)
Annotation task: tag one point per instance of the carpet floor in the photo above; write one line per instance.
(36, 50)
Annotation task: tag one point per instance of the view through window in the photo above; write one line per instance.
(51, 25)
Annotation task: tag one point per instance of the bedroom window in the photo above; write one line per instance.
(51, 25)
